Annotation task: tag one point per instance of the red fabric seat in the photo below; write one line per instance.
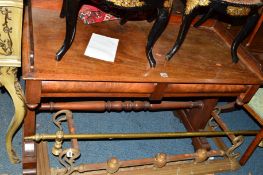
(90, 14)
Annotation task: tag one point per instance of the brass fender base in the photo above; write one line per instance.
(179, 168)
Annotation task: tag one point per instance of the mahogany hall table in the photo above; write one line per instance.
(201, 72)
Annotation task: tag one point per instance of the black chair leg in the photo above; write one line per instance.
(71, 21)
(244, 32)
(186, 22)
(63, 9)
(204, 17)
(157, 29)
(123, 21)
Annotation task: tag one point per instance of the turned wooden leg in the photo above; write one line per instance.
(244, 32)
(71, 8)
(251, 148)
(33, 94)
(9, 80)
(29, 147)
(186, 22)
(156, 31)
(196, 120)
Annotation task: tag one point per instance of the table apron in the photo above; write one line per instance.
(119, 89)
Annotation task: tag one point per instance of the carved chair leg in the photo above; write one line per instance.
(71, 22)
(204, 17)
(244, 32)
(156, 31)
(186, 22)
(9, 81)
(123, 21)
(63, 9)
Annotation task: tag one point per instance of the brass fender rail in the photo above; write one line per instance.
(182, 168)
(151, 135)
(159, 161)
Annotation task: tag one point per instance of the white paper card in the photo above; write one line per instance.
(102, 47)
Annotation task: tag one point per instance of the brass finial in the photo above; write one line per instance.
(160, 160)
(57, 148)
(113, 165)
(201, 155)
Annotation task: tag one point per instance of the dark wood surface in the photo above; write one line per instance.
(203, 58)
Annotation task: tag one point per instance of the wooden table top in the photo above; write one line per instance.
(203, 58)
